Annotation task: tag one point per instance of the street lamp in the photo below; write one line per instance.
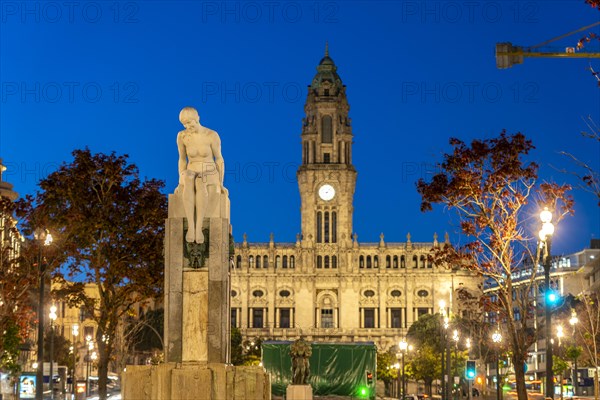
(90, 347)
(52, 316)
(456, 337)
(497, 339)
(75, 332)
(44, 238)
(403, 347)
(573, 321)
(446, 386)
(545, 235)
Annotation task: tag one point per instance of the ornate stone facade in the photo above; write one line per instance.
(327, 286)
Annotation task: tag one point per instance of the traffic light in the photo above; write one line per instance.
(369, 378)
(552, 297)
(471, 370)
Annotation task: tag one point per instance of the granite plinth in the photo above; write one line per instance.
(299, 392)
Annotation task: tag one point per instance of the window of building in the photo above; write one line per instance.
(319, 226)
(368, 261)
(285, 259)
(333, 227)
(369, 314)
(326, 128)
(388, 262)
(326, 226)
(326, 318)
(319, 262)
(234, 318)
(265, 261)
(326, 158)
(423, 264)
(258, 261)
(88, 331)
(395, 318)
(257, 318)
(396, 293)
(369, 293)
(415, 262)
(422, 293)
(292, 262)
(284, 317)
(361, 261)
(402, 262)
(238, 262)
(277, 262)
(258, 293)
(333, 262)
(233, 293)
(327, 262)
(422, 311)
(375, 262)
(284, 293)
(395, 262)
(251, 261)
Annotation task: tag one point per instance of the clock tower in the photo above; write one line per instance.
(326, 178)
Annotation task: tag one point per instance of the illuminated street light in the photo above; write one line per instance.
(75, 332)
(44, 238)
(573, 321)
(52, 316)
(497, 339)
(545, 235)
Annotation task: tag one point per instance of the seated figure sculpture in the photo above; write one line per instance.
(201, 170)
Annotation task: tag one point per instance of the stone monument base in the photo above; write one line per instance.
(298, 392)
(174, 381)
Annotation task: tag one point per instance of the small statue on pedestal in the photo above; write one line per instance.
(300, 352)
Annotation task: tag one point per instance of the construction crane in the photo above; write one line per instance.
(508, 55)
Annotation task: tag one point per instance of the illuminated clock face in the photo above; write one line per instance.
(326, 192)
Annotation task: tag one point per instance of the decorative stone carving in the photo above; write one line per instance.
(300, 352)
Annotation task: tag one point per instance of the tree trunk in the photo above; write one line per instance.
(519, 366)
(102, 370)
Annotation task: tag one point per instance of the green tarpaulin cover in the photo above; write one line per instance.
(335, 368)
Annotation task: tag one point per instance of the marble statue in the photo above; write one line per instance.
(201, 170)
(300, 351)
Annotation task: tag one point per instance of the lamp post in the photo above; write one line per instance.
(442, 305)
(90, 347)
(52, 316)
(545, 235)
(403, 347)
(573, 321)
(469, 389)
(75, 332)
(456, 337)
(497, 339)
(44, 239)
(559, 335)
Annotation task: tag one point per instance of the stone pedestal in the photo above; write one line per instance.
(172, 381)
(197, 326)
(298, 392)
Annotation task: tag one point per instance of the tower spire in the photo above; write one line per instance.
(326, 48)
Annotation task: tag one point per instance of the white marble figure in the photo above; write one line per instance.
(201, 170)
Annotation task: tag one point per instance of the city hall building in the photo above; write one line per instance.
(327, 286)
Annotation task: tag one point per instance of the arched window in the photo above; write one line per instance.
(285, 265)
(327, 262)
(429, 263)
(251, 261)
(277, 261)
(415, 262)
(319, 225)
(395, 262)
(402, 262)
(333, 262)
(326, 227)
(423, 265)
(361, 262)
(265, 261)
(375, 262)
(326, 129)
(238, 262)
(368, 261)
(292, 262)
(319, 262)
(258, 261)
(388, 262)
(333, 227)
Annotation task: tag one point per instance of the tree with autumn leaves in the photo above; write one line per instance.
(108, 229)
(494, 191)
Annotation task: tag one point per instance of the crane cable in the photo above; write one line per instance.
(563, 36)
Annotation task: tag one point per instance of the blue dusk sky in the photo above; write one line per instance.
(113, 75)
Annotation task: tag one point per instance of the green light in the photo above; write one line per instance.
(363, 392)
